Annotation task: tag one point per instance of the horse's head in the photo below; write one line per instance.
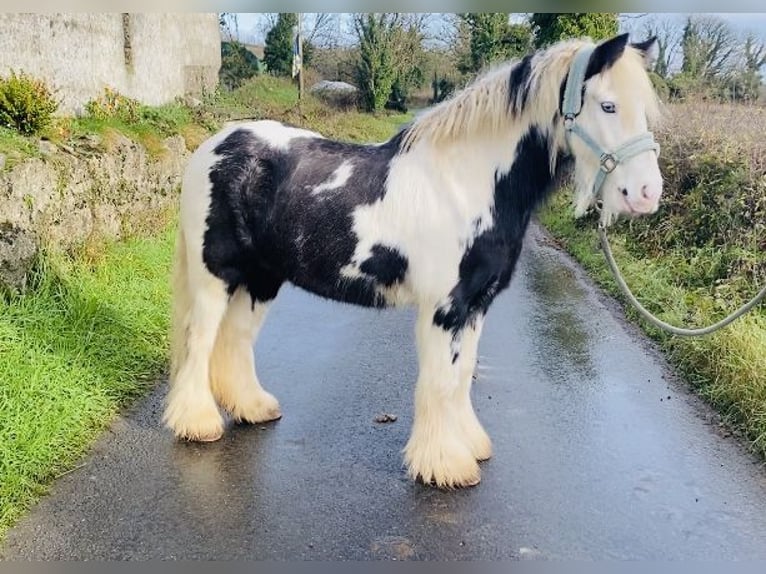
(607, 104)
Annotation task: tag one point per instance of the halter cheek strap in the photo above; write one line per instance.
(571, 107)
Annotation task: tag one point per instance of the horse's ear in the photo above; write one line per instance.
(606, 54)
(650, 49)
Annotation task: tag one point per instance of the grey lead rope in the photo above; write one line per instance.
(658, 322)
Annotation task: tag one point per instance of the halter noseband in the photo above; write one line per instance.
(571, 107)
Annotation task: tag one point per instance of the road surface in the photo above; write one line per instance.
(599, 453)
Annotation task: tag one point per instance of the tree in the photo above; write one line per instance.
(389, 58)
(229, 26)
(410, 59)
(278, 49)
(708, 46)
(491, 37)
(744, 82)
(669, 35)
(376, 70)
(237, 64)
(320, 29)
(550, 27)
(709, 64)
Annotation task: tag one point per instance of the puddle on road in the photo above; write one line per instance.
(564, 341)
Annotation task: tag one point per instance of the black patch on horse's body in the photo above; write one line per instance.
(488, 264)
(386, 265)
(265, 226)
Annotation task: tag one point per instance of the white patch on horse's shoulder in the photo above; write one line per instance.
(278, 135)
(337, 179)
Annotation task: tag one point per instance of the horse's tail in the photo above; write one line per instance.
(181, 306)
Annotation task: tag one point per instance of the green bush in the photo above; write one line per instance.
(714, 203)
(113, 105)
(26, 103)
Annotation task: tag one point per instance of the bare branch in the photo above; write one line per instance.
(321, 28)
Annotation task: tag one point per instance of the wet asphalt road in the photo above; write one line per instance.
(599, 453)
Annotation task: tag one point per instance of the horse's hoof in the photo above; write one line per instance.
(446, 466)
(207, 438)
(194, 423)
(262, 408)
(450, 486)
(210, 434)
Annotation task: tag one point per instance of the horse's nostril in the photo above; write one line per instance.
(625, 191)
(645, 192)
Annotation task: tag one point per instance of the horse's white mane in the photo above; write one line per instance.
(484, 107)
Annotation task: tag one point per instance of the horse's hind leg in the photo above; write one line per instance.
(200, 301)
(233, 378)
(438, 451)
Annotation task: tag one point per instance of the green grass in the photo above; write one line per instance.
(266, 97)
(727, 368)
(15, 147)
(90, 335)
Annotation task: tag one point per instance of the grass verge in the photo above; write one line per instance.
(85, 340)
(727, 368)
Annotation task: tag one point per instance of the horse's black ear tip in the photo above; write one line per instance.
(606, 54)
(614, 46)
(650, 49)
(646, 46)
(620, 40)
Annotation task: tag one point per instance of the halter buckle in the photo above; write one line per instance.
(608, 162)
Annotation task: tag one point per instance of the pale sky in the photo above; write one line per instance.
(249, 23)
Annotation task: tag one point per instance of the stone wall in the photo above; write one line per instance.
(150, 57)
(98, 189)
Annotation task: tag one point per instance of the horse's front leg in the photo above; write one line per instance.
(439, 450)
(476, 437)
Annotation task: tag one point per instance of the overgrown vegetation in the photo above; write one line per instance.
(237, 65)
(700, 256)
(26, 103)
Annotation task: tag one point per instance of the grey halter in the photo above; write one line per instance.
(571, 107)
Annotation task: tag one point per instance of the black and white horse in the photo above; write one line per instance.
(434, 217)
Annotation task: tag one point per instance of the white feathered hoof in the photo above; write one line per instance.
(259, 407)
(445, 464)
(193, 420)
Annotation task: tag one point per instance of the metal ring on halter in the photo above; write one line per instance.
(608, 162)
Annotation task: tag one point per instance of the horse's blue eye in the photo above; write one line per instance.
(608, 107)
